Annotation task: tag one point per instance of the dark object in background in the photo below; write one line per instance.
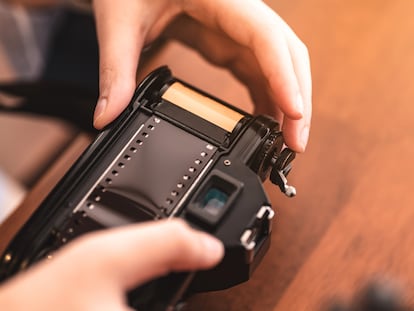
(377, 296)
(68, 87)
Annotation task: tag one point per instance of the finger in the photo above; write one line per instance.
(262, 31)
(121, 37)
(132, 255)
(240, 60)
(123, 28)
(296, 132)
(220, 50)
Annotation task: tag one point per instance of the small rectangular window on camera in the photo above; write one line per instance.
(214, 201)
(214, 198)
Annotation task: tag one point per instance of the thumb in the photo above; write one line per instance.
(135, 254)
(120, 38)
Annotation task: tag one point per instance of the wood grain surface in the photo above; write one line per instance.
(351, 221)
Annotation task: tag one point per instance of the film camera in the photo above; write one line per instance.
(174, 152)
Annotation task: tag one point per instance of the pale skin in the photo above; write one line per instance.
(259, 48)
(247, 37)
(94, 272)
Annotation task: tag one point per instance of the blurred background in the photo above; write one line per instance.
(42, 44)
(352, 219)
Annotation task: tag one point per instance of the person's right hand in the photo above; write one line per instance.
(247, 37)
(95, 271)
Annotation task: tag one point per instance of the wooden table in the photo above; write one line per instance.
(352, 220)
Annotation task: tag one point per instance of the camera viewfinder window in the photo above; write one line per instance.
(214, 201)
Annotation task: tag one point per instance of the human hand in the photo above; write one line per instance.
(95, 271)
(247, 37)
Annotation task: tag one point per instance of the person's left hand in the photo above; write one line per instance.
(95, 271)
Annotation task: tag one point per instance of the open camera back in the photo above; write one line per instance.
(174, 152)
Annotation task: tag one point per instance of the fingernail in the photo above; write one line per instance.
(214, 248)
(100, 109)
(299, 103)
(304, 136)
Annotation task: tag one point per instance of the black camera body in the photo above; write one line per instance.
(174, 152)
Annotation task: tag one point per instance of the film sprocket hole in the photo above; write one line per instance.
(174, 152)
